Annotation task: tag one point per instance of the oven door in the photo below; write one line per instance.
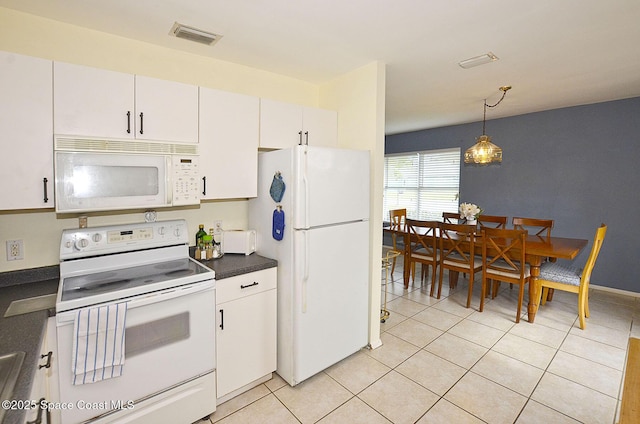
(169, 343)
(88, 181)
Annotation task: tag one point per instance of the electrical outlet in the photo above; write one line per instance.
(15, 250)
(217, 227)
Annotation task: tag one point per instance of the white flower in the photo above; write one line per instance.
(469, 211)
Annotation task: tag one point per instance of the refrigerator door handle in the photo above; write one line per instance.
(305, 275)
(306, 200)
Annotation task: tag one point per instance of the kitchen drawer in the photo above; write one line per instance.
(244, 285)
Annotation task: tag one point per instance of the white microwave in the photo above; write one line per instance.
(110, 174)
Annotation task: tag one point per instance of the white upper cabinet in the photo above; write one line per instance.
(93, 102)
(228, 144)
(166, 110)
(101, 103)
(26, 167)
(320, 127)
(285, 125)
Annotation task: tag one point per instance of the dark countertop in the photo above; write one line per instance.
(23, 333)
(232, 264)
(26, 332)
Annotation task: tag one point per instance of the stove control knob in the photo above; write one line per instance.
(161, 231)
(177, 232)
(68, 244)
(96, 237)
(82, 243)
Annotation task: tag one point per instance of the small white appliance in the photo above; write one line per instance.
(239, 241)
(323, 254)
(110, 174)
(167, 325)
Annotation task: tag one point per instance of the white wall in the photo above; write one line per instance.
(359, 98)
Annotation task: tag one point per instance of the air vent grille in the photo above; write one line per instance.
(73, 144)
(194, 34)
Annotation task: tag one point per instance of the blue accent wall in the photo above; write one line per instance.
(590, 174)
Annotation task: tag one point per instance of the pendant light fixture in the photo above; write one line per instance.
(484, 151)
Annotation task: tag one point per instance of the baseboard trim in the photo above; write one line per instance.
(612, 290)
(375, 344)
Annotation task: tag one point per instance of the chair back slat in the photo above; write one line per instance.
(423, 236)
(492, 221)
(398, 219)
(457, 243)
(535, 226)
(503, 248)
(450, 217)
(593, 255)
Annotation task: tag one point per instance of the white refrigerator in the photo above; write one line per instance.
(323, 256)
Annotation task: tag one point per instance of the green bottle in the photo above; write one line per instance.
(201, 232)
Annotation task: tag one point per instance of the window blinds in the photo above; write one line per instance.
(425, 183)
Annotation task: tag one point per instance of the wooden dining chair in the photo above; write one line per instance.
(538, 227)
(535, 226)
(457, 244)
(451, 217)
(503, 259)
(571, 279)
(424, 246)
(492, 221)
(398, 222)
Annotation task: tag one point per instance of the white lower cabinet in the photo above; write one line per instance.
(246, 334)
(44, 387)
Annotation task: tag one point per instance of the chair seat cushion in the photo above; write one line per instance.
(424, 255)
(502, 268)
(455, 259)
(551, 271)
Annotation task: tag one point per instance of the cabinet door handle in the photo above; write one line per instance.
(38, 419)
(255, 283)
(222, 319)
(300, 138)
(128, 122)
(44, 183)
(48, 364)
(204, 185)
(141, 123)
(306, 134)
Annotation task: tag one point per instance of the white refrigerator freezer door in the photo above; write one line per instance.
(331, 292)
(331, 186)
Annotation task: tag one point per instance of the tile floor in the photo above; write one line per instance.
(443, 363)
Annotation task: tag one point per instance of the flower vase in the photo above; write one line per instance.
(472, 221)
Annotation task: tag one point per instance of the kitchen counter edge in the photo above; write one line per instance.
(232, 264)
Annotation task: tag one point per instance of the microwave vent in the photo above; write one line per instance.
(73, 144)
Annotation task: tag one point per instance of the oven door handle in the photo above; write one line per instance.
(170, 294)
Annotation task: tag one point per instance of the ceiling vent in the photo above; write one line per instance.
(478, 60)
(193, 34)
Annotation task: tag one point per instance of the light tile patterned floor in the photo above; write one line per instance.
(443, 363)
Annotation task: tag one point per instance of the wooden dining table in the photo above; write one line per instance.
(537, 249)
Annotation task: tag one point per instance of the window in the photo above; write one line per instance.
(425, 183)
